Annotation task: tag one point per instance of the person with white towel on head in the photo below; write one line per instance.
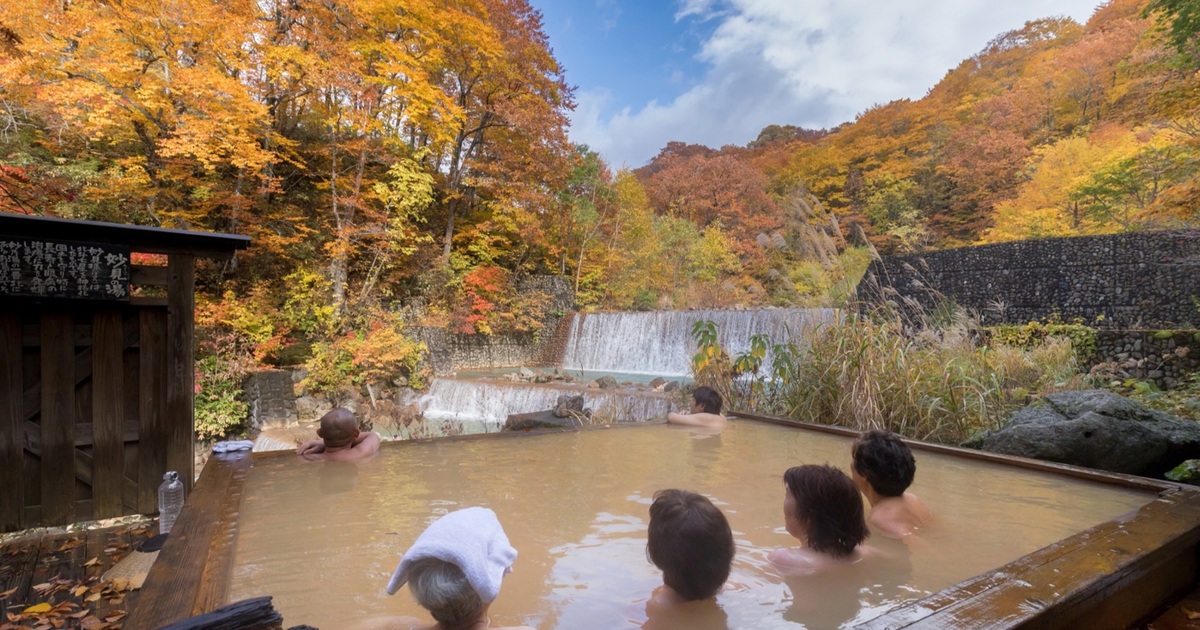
(454, 570)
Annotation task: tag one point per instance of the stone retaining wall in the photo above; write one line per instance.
(271, 398)
(1163, 357)
(1123, 281)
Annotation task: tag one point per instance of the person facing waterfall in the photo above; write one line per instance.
(883, 468)
(690, 540)
(705, 410)
(341, 440)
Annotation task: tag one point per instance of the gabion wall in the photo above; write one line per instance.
(1124, 281)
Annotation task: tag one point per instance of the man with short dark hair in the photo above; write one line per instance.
(883, 468)
(705, 410)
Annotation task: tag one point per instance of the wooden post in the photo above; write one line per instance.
(12, 485)
(181, 366)
(108, 414)
(58, 418)
(152, 435)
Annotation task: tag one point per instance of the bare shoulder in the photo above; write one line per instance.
(697, 419)
(917, 507)
(900, 516)
(794, 561)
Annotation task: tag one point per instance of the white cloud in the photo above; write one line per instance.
(812, 63)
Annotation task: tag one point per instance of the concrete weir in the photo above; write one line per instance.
(492, 402)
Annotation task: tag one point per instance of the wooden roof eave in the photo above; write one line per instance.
(139, 238)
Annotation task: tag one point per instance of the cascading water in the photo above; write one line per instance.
(492, 402)
(654, 343)
(661, 343)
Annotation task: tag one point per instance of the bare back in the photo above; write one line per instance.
(897, 517)
(700, 419)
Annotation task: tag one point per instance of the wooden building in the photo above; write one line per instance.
(96, 366)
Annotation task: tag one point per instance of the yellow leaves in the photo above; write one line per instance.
(37, 609)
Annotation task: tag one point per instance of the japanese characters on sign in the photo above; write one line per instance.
(54, 269)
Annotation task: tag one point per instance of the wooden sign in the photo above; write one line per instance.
(55, 269)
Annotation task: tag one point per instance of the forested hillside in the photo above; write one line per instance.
(388, 152)
(1054, 129)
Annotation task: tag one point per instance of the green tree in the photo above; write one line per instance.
(891, 210)
(1180, 20)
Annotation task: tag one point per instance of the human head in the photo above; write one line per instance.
(708, 399)
(824, 505)
(690, 541)
(472, 541)
(441, 588)
(883, 461)
(339, 427)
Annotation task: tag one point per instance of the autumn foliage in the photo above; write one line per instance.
(388, 152)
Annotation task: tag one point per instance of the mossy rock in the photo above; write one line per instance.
(1187, 472)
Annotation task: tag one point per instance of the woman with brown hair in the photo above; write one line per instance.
(823, 510)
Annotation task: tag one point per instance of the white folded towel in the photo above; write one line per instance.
(470, 539)
(232, 445)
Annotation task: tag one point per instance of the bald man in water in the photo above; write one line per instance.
(341, 441)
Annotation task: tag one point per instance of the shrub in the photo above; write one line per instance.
(489, 303)
(220, 407)
(1081, 337)
(374, 350)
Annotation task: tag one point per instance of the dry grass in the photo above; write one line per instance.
(934, 384)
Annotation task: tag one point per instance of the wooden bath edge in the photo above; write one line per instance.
(1111, 575)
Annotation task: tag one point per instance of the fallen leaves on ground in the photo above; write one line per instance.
(47, 615)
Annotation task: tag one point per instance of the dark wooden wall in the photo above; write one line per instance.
(96, 401)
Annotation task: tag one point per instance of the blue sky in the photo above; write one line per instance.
(716, 72)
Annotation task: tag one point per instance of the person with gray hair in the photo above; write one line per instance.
(454, 570)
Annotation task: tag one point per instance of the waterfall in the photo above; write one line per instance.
(452, 399)
(660, 342)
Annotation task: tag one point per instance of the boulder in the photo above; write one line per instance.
(658, 383)
(312, 407)
(1097, 429)
(539, 420)
(569, 407)
(606, 382)
(1187, 472)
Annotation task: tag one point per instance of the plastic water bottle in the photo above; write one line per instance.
(170, 501)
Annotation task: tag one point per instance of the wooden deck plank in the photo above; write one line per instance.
(60, 560)
(60, 565)
(17, 560)
(120, 543)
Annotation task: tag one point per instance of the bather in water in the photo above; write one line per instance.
(690, 540)
(454, 570)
